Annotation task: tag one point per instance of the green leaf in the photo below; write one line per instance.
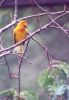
(11, 94)
(65, 67)
(58, 73)
(52, 79)
(8, 92)
(45, 79)
(29, 95)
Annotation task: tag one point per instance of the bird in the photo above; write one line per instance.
(20, 32)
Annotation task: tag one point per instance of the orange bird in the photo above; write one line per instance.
(20, 33)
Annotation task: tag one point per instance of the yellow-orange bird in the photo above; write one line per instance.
(20, 33)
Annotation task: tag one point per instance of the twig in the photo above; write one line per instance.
(46, 51)
(15, 13)
(37, 17)
(7, 66)
(65, 7)
(18, 55)
(20, 63)
(35, 11)
(51, 17)
(42, 46)
(41, 14)
(26, 58)
(11, 53)
(6, 62)
(54, 26)
(14, 22)
(32, 34)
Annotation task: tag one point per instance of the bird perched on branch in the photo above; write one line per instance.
(20, 33)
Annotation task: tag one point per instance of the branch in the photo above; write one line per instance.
(20, 63)
(45, 49)
(31, 35)
(41, 14)
(6, 63)
(7, 66)
(15, 13)
(50, 17)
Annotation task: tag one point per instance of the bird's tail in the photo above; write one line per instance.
(19, 49)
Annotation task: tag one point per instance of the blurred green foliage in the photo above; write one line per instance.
(53, 79)
(13, 95)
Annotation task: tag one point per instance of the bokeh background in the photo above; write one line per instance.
(57, 43)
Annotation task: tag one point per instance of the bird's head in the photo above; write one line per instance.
(23, 23)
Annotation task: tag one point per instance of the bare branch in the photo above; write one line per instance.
(20, 63)
(7, 66)
(41, 14)
(15, 13)
(45, 49)
(51, 18)
(65, 7)
(32, 34)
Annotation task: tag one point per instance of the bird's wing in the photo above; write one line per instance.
(14, 36)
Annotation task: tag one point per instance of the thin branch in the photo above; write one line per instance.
(7, 66)
(65, 7)
(31, 35)
(35, 13)
(54, 26)
(6, 62)
(20, 63)
(42, 46)
(14, 22)
(46, 51)
(19, 55)
(51, 17)
(37, 18)
(41, 14)
(16, 10)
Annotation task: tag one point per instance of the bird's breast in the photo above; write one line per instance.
(20, 35)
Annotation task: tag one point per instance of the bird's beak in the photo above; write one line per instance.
(25, 26)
